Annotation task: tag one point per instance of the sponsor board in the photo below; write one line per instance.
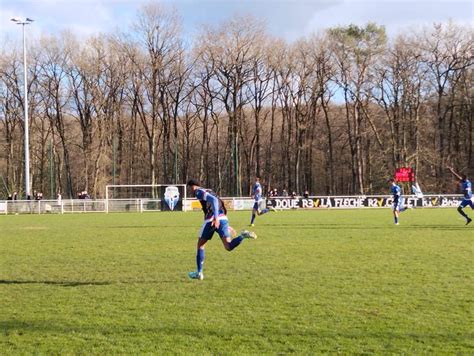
(354, 202)
(243, 204)
(229, 203)
(339, 202)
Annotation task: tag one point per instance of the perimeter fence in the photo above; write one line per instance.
(69, 206)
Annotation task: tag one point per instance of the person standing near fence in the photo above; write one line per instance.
(259, 201)
(397, 206)
(215, 220)
(466, 187)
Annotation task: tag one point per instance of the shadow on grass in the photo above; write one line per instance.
(146, 226)
(85, 283)
(57, 283)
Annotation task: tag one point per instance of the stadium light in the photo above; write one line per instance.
(23, 22)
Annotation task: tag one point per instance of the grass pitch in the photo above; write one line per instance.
(313, 282)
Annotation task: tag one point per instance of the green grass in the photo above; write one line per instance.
(313, 282)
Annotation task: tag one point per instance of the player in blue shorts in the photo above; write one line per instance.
(466, 187)
(257, 194)
(398, 206)
(215, 220)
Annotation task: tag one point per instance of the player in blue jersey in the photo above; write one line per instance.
(257, 195)
(259, 201)
(397, 206)
(215, 220)
(466, 187)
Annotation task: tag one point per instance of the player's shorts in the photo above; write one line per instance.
(467, 202)
(398, 206)
(260, 205)
(207, 230)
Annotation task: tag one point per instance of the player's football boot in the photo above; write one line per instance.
(196, 275)
(273, 209)
(468, 221)
(252, 225)
(248, 234)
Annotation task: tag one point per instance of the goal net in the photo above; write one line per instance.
(145, 197)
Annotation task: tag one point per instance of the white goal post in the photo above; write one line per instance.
(145, 197)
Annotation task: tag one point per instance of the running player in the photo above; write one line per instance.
(215, 220)
(398, 206)
(466, 187)
(257, 194)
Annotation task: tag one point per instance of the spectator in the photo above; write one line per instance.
(275, 192)
(59, 197)
(9, 197)
(306, 194)
(15, 196)
(284, 193)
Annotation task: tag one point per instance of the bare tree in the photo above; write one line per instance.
(332, 113)
(56, 94)
(355, 50)
(232, 48)
(154, 58)
(399, 93)
(447, 54)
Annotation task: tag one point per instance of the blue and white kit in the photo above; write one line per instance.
(257, 193)
(466, 186)
(213, 210)
(396, 191)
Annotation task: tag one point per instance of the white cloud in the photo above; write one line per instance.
(394, 15)
(54, 16)
(289, 19)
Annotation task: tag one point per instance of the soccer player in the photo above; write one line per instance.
(398, 206)
(466, 187)
(257, 194)
(215, 220)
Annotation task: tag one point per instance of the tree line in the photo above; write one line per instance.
(335, 112)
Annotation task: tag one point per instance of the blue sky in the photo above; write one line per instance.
(287, 19)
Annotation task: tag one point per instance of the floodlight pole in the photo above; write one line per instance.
(24, 22)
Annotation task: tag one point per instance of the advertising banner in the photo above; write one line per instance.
(243, 204)
(354, 202)
(230, 204)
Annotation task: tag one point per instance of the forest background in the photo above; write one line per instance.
(335, 112)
